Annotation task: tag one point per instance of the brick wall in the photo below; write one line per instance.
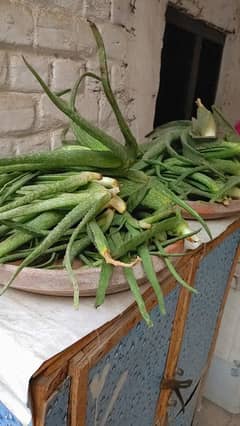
(55, 38)
(57, 41)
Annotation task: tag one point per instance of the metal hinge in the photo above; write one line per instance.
(236, 278)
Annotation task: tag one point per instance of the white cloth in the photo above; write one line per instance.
(33, 328)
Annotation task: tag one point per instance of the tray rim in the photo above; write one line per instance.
(87, 277)
(213, 211)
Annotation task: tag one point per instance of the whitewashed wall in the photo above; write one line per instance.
(55, 38)
(150, 25)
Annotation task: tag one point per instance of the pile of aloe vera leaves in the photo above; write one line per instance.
(109, 204)
(198, 159)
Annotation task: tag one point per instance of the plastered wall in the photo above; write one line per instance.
(55, 38)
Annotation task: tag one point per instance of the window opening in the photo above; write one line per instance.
(190, 66)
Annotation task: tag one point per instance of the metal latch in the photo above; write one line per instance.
(175, 385)
(236, 278)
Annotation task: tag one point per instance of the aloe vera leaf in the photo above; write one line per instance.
(20, 237)
(231, 182)
(195, 156)
(62, 159)
(177, 200)
(172, 270)
(103, 137)
(69, 219)
(69, 184)
(82, 136)
(152, 277)
(131, 143)
(77, 85)
(104, 221)
(47, 263)
(96, 207)
(204, 125)
(137, 197)
(24, 227)
(104, 280)
(128, 272)
(23, 179)
(62, 92)
(144, 236)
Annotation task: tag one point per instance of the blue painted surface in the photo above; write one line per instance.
(7, 418)
(57, 406)
(133, 371)
(211, 280)
(56, 411)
